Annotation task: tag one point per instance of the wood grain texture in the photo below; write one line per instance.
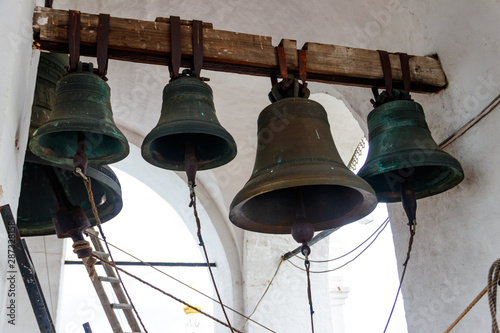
(227, 51)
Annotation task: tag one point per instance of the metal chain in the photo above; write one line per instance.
(192, 195)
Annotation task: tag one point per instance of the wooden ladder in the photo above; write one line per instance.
(112, 278)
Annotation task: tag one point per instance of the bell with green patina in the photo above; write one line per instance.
(82, 106)
(188, 117)
(37, 202)
(402, 148)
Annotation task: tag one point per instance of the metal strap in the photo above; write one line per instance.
(175, 41)
(274, 80)
(282, 62)
(197, 47)
(102, 44)
(74, 39)
(405, 69)
(303, 69)
(302, 65)
(386, 68)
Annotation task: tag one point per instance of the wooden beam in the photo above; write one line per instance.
(227, 51)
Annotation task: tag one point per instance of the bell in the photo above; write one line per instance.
(51, 67)
(401, 149)
(188, 118)
(82, 108)
(299, 183)
(37, 206)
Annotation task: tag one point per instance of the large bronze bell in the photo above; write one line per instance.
(37, 204)
(188, 116)
(299, 175)
(401, 149)
(82, 106)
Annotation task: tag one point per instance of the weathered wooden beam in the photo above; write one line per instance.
(227, 51)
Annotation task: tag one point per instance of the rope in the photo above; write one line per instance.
(478, 297)
(346, 254)
(386, 222)
(357, 152)
(405, 264)
(202, 244)
(309, 295)
(89, 262)
(492, 294)
(88, 186)
(167, 294)
(264, 294)
(188, 286)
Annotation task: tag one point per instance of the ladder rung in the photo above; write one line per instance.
(100, 254)
(122, 306)
(109, 279)
(92, 232)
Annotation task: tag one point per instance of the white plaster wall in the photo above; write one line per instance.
(221, 246)
(17, 73)
(457, 233)
(285, 307)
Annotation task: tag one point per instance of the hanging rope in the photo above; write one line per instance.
(357, 152)
(264, 294)
(89, 262)
(88, 186)
(192, 195)
(494, 271)
(188, 286)
(165, 293)
(348, 262)
(346, 254)
(306, 250)
(405, 264)
(492, 294)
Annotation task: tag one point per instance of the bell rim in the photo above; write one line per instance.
(252, 189)
(54, 126)
(456, 177)
(195, 127)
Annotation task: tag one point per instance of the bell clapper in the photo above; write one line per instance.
(190, 166)
(303, 232)
(69, 221)
(409, 201)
